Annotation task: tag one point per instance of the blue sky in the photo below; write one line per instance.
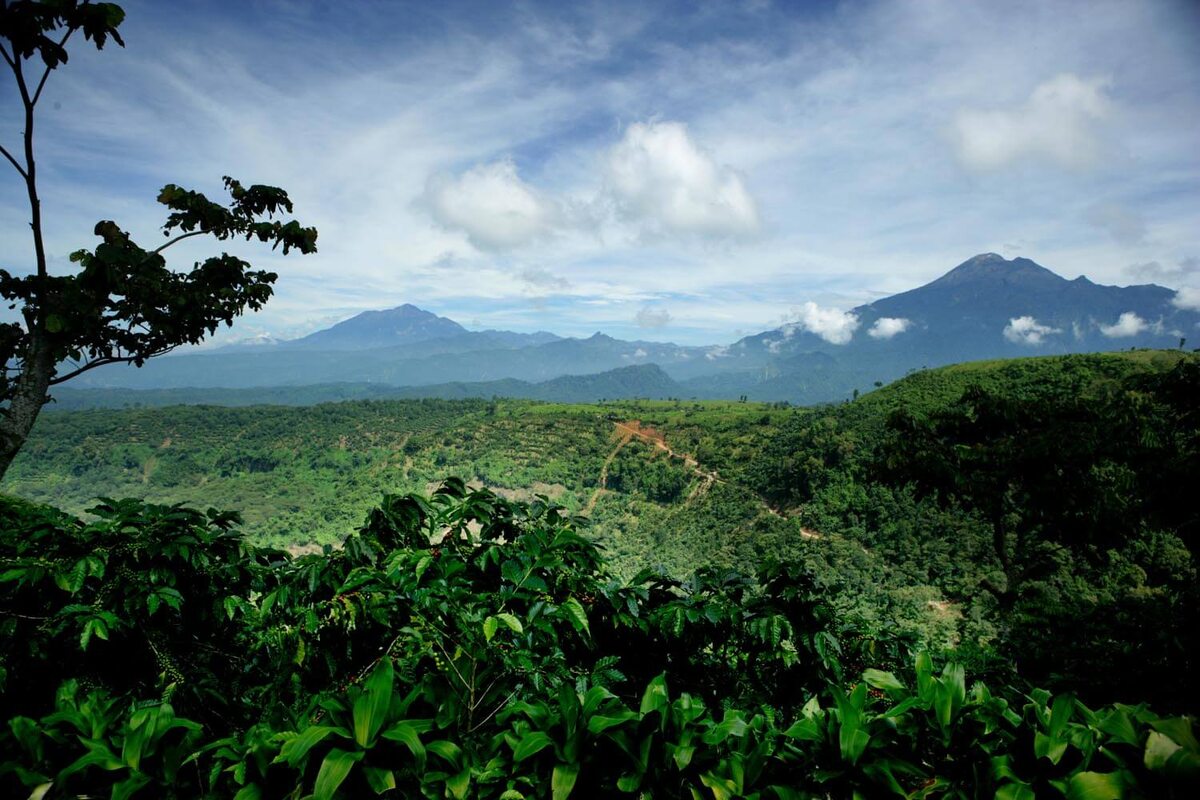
(669, 171)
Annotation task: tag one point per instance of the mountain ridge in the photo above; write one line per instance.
(985, 307)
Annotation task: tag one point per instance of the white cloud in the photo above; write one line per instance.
(1128, 324)
(831, 324)
(652, 317)
(887, 327)
(491, 204)
(1187, 298)
(1059, 124)
(658, 174)
(1027, 330)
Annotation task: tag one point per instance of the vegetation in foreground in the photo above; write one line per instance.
(1061, 553)
(464, 645)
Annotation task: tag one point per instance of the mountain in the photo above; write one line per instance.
(404, 324)
(986, 307)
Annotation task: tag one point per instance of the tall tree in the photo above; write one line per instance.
(122, 304)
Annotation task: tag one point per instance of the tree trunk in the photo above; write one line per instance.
(27, 401)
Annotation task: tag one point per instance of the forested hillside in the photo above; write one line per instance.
(754, 608)
(874, 496)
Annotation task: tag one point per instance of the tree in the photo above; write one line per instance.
(123, 305)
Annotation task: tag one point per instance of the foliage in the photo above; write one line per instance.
(1102, 597)
(463, 645)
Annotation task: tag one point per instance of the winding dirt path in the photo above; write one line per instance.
(602, 483)
(633, 429)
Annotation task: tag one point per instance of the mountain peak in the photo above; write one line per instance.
(991, 267)
(404, 324)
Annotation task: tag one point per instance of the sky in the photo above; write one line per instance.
(688, 172)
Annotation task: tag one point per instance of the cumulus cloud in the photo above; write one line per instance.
(1187, 298)
(1059, 123)
(831, 324)
(652, 317)
(659, 175)
(887, 327)
(1027, 330)
(1128, 324)
(491, 204)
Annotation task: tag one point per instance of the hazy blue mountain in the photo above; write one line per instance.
(987, 307)
(646, 381)
(404, 324)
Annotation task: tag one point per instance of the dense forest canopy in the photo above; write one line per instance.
(732, 599)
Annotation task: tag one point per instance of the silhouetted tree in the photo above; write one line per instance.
(123, 305)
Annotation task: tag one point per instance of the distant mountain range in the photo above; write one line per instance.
(987, 307)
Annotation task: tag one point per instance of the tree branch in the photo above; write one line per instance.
(178, 238)
(7, 57)
(13, 161)
(42, 83)
(100, 362)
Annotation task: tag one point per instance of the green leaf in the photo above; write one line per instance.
(1119, 725)
(1159, 749)
(885, 681)
(655, 697)
(1180, 731)
(511, 622)
(446, 750)
(578, 617)
(530, 744)
(371, 707)
(1015, 791)
(1046, 747)
(251, 792)
(407, 733)
(334, 769)
(380, 780)
(808, 730)
(295, 748)
(1095, 786)
(490, 626)
(458, 784)
(853, 741)
(602, 722)
(54, 323)
(129, 787)
(562, 780)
